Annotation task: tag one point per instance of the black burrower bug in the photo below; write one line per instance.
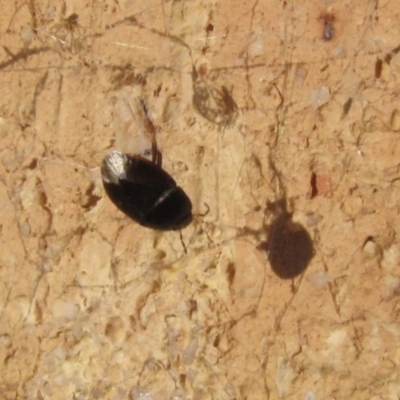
(142, 190)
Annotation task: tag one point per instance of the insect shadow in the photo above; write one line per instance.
(289, 246)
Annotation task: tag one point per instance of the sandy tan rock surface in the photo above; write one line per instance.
(283, 118)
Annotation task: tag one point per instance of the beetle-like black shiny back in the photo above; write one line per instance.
(145, 192)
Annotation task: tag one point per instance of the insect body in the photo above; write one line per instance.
(142, 190)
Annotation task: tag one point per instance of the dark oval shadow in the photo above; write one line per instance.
(289, 247)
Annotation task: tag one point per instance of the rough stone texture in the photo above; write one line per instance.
(258, 117)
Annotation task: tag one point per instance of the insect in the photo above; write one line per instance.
(378, 68)
(329, 31)
(142, 190)
(215, 105)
